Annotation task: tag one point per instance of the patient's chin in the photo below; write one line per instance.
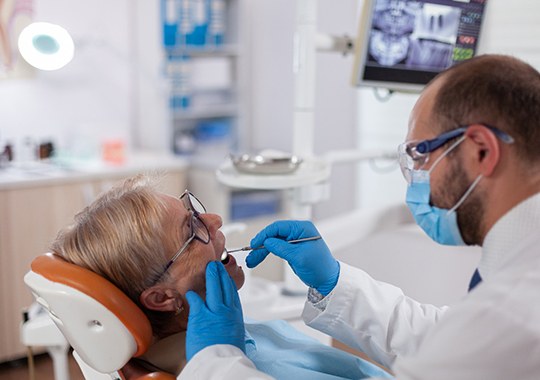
(238, 276)
(235, 271)
(240, 280)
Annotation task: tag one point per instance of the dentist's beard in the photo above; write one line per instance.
(470, 213)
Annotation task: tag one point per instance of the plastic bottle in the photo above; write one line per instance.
(213, 138)
(216, 27)
(185, 20)
(8, 151)
(184, 142)
(169, 20)
(179, 72)
(28, 151)
(199, 20)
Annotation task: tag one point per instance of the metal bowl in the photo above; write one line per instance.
(260, 164)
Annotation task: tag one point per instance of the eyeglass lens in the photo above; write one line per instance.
(406, 162)
(192, 203)
(196, 207)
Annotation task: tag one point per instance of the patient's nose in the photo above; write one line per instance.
(213, 221)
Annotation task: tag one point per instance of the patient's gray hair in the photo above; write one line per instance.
(120, 236)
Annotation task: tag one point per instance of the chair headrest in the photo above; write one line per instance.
(100, 322)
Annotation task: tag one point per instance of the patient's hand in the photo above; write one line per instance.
(218, 320)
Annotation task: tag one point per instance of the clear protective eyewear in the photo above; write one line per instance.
(198, 228)
(413, 155)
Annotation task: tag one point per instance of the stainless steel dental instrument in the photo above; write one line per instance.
(262, 246)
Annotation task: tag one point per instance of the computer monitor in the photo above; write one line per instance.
(403, 44)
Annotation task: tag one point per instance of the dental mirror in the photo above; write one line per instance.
(225, 256)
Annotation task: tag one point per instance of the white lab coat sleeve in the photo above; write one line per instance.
(372, 316)
(221, 362)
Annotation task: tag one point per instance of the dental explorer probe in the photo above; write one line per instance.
(225, 255)
(288, 241)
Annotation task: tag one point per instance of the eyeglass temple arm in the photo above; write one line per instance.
(179, 252)
(506, 138)
(430, 145)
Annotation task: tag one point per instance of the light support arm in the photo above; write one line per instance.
(304, 78)
(352, 156)
(340, 44)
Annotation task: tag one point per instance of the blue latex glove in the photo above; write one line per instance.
(218, 320)
(311, 260)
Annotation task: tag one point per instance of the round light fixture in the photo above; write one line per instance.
(46, 46)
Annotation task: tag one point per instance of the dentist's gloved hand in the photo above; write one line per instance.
(218, 320)
(311, 260)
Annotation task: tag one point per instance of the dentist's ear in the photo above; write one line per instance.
(487, 149)
(161, 299)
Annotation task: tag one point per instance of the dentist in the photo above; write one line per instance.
(472, 162)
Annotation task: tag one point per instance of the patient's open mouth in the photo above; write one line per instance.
(228, 260)
(225, 257)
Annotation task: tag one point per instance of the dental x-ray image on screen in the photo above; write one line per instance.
(403, 44)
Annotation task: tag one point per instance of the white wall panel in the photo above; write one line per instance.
(272, 88)
(512, 27)
(85, 101)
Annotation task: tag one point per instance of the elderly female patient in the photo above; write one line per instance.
(155, 248)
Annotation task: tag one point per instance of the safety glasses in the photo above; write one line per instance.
(199, 230)
(415, 154)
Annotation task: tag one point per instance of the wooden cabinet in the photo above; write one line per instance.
(30, 217)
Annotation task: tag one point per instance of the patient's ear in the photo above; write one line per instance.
(161, 299)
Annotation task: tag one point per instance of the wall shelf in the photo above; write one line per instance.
(229, 50)
(206, 112)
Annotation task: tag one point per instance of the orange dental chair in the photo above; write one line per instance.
(105, 328)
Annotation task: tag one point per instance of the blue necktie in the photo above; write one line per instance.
(475, 280)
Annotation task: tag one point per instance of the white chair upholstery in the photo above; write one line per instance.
(104, 327)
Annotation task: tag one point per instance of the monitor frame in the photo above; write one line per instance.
(419, 78)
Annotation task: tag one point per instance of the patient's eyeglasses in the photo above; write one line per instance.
(198, 229)
(415, 154)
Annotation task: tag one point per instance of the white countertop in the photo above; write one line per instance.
(19, 175)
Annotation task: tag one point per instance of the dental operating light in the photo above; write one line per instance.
(46, 46)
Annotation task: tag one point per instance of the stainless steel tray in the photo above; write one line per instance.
(261, 164)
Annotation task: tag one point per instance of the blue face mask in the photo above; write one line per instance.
(440, 224)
